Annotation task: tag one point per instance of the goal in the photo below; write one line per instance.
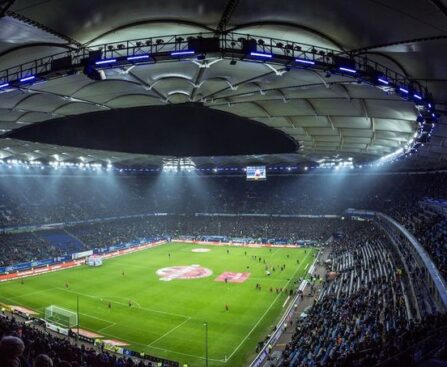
(61, 316)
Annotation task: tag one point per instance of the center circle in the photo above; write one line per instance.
(183, 272)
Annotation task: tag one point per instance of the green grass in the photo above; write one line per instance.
(167, 318)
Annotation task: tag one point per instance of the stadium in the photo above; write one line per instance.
(223, 183)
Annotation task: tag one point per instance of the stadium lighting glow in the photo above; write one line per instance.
(106, 61)
(417, 96)
(137, 57)
(348, 70)
(4, 85)
(260, 54)
(383, 81)
(403, 90)
(181, 53)
(303, 61)
(27, 79)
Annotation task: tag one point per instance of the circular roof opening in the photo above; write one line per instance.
(172, 130)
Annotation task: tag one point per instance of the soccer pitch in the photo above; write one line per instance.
(163, 315)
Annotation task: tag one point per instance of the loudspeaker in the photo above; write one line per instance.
(62, 64)
(248, 46)
(204, 45)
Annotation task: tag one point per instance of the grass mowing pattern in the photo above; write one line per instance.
(166, 318)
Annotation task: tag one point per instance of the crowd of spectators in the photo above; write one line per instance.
(38, 200)
(28, 246)
(430, 229)
(363, 315)
(23, 247)
(25, 345)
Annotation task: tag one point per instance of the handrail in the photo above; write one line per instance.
(436, 276)
(432, 270)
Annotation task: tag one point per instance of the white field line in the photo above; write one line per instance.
(274, 252)
(33, 293)
(184, 316)
(307, 266)
(98, 318)
(105, 328)
(125, 299)
(266, 311)
(285, 302)
(124, 304)
(13, 300)
(162, 349)
(169, 332)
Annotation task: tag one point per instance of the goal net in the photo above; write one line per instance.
(61, 317)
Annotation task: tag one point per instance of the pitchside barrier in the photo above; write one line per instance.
(241, 244)
(35, 268)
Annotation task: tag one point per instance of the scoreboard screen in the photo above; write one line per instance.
(256, 173)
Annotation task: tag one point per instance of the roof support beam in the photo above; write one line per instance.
(4, 6)
(311, 106)
(147, 85)
(440, 5)
(70, 98)
(236, 85)
(331, 122)
(261, 107)
(43, 28)
(230, 7)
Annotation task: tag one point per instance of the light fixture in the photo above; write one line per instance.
(28, 78)
(348, 70)
(304, 61)
(261, 54)
(181, 53)
(105, 61)
(137, 57)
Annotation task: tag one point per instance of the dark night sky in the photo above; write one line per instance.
(177, 130)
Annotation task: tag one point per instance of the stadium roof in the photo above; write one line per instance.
(328, 114)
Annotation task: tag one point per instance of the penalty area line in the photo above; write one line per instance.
(123, 304)
(162, 349)
(105, 328)
(169, 332)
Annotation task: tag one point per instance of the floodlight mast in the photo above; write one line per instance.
(206, 343)
(77, 311)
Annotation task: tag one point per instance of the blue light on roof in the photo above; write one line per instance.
(383, 81)
(28, 78)
(181, 53)
(106, 61)
(260, 54)
(348, 70)
(304, 61)
(417, 96)
(137, 57)
(4, 85)
(403, 90)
